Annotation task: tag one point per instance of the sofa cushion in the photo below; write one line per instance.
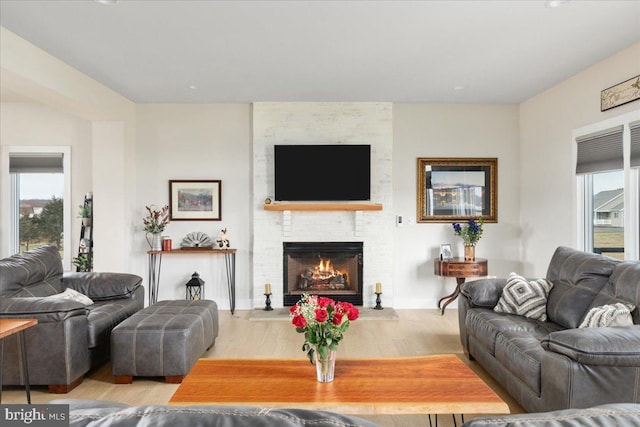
(622, 287)
(105, 315)
(35, 273)
(521, 353)
(524, 298)
(617, 314)
(485, 325)
(577, 278)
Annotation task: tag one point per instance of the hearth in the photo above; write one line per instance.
(331, 269)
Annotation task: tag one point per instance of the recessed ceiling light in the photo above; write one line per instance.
(192, 87)
(556, 3)
(109, 2)
(459, 87)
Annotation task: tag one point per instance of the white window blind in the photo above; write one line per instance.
(635, 144)
(600, 152)
(35, 163)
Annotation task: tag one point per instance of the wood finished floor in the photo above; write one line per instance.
(416, 332)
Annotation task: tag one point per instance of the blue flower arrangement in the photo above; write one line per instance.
(470, 233)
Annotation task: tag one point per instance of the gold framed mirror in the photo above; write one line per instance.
(457, 189)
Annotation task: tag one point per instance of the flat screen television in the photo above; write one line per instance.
(322, 172)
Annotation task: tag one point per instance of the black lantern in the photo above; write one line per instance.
(195, 288)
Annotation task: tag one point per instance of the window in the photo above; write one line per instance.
(39, 196)
(607, 169)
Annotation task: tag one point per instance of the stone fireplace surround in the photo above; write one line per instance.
(322, 123)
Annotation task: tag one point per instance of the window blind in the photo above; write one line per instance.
(635, 144)
(35, 163)
(600, 152)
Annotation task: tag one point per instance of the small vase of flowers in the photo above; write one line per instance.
(471, 234)
(323, 322)
(154, 224)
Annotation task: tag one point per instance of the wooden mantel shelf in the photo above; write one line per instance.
(323, 207)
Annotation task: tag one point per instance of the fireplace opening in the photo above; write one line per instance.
(330, 269)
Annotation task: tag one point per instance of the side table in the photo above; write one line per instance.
(10, 327)
(460, 269)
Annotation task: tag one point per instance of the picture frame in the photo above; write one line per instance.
(195, 200)
(620, 94)
(457, 189)
(445, 251)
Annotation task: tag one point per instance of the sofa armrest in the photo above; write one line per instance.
(484, 292)
(616, 346)
(43, 309)
(103, 286)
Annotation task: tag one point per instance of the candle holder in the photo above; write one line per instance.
(378, 301)
(267, 303)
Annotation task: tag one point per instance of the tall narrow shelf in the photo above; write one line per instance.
(85, 246)
(323, 207)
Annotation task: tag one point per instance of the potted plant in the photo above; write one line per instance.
(85, 213)
(81, 262)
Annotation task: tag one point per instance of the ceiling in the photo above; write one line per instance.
(395, 51)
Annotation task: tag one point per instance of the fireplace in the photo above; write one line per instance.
(330, 269)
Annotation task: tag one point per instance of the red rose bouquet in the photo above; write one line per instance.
(323, 321)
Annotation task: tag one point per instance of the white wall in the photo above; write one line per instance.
(451, 131)
(32, 124)
(547, 206)
(195, 142)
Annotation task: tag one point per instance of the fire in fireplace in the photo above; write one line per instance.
(331, 269)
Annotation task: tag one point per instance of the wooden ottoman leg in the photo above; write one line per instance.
(173, 379)
(123, 379)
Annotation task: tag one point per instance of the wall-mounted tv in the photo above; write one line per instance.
(322, 172)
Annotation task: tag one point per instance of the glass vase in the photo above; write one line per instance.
(325, 366)
(469, 252)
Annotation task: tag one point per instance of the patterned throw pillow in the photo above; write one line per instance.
(73, 295)
(525, 298)
(617, 314)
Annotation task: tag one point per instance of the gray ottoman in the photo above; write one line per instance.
(163, 340)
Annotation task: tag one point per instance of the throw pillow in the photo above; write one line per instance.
(617, 314)
(525, 298)
(73, 295)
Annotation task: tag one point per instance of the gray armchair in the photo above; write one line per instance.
(70, 338)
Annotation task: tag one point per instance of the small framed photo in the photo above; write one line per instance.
(195, 200)
(445, 251)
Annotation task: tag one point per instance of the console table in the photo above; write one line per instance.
(155, 263)
(460, 269)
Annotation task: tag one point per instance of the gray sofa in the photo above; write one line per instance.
(612, 415)
(87, 413)
(553, 364)
(70, 338)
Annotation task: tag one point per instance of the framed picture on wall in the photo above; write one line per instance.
(457, 189)
(195, 200)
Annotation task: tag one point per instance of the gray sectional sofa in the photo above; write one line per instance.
(553, 364)
(70, 338)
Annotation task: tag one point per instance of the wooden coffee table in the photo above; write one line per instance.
(440, 384)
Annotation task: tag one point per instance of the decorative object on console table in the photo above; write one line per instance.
(445, 251)
(460, 269)
(323, 323)
(620, 94)
(470, 234)
(195, 200)
(154, 224)
(197, 240)
(195, 288)
(457, 189)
